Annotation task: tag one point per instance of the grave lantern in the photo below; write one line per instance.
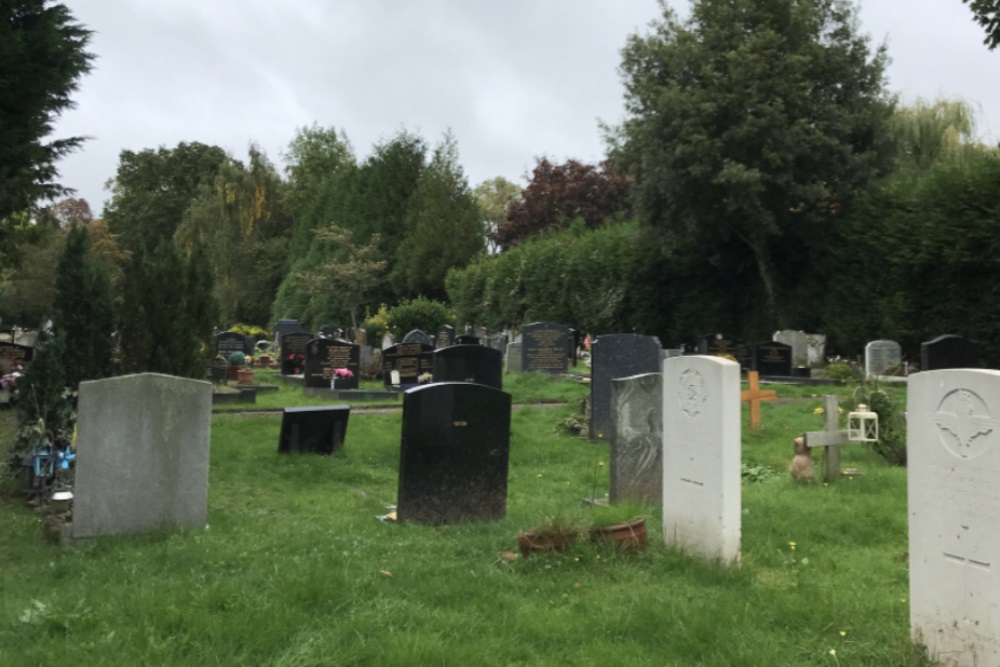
(862, 425)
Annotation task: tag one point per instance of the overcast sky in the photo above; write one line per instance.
(513, 80)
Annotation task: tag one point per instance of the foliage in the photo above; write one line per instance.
(987, 14)
(420, 313)
(237, 358)
(27, 292)
(42, 395)
(71, 211)
(891, 444)
(42, 56)
(926, 132)
(755, 473)
(557, 195)
(839, 370)
(84, 311)
(749, 126)
(494, 197)
(250, 330)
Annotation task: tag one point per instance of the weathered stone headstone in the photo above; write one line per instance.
(617, 356)
(949, 351)
(445, 336)
(469, 363)
(313, 430)
(953, 474)
(816, 350)
(881, 355)
(637, 443)
(12, 353)
(544, 347)
(293, 351)
(454, 454)
(228, 342)
(799, 344)
(142, 454)
(701, 456)
(324, 356)
(718, 344)
(418, 336)
(773, 359)
(411, 360)
(513, 357)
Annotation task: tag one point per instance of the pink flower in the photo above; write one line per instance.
(343, 373)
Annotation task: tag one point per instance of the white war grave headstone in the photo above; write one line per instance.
(701, 456)
(953, 498)
(142, 455)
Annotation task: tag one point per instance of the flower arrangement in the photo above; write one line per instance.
(9, 381)
(296, 359)
(343, 372)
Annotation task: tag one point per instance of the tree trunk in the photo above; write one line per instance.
(765, 267)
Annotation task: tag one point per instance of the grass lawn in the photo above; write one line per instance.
(295, 568)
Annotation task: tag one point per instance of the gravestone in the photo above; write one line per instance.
(816, 350)
(513, 357)
(718, 344)
(286, 326)
(387, 341)
(773, 359)
(12, 353)
(418, 336)
(445, 336)
(571, 342)
(544, 347)
(799, 344)
(670, 353)
(949, 351)
(616, 356)
(701, 456)
(881, 355)
(498, 341)
(324, 356)
(953, 477)
(454, 454)
(228, 342)
(636, 462)
(293, 351)
(469, 363)
(466, 339)
(142, 454)
(313, 430)
(411, 360)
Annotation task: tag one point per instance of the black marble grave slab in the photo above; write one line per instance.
(313, 430)
(469, 363)
(293, 351)
(718, 344)
(411, 360)
(545, 347)
(324, 356)
(445, 336)
(773, 359)
(949, 351)
(616, 356)
(12, 353)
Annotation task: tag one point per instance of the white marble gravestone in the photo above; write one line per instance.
(953, 480)
(799, 343)
(637, 439)
(142, 454)
(880, 355)
(701, 456)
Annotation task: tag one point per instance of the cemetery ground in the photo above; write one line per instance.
(295, 568)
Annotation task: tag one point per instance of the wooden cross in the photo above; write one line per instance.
(754, 394)
(830, 438)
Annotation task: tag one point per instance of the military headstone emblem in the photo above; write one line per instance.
(964, 424)
(691, 390)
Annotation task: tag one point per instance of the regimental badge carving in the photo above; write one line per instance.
(691, 391)
(964, 424)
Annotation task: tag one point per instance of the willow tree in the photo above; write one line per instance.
(925, 132)
(748, 127)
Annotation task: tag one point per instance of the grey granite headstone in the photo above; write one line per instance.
(880, 355)
(617, 356)
(800, 346)
(816, 350)
(637, 441)
(514, 357)
(142, 454)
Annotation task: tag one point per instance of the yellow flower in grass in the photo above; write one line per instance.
(843, 633)
(791, 545)
(818, 411)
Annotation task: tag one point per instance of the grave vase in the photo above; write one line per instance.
(234, 373)
(244, 376)
(627, 536)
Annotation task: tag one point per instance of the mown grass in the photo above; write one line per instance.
(296, 569)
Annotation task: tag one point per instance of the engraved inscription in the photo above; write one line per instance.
(692, 482)
(691, 392)
(460, 423)
(965, 426)
(961, 560)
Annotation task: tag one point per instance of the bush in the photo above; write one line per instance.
(419, 313)
(251, 330)
(891, 444)
(840, 370)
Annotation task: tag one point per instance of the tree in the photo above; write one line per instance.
(71, 211)
(987, 14)
(42, 57)
(494, 197)
(924, 133)
(752, 123)
(559, 194)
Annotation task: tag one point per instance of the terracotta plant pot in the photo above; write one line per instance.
(627, 536)
(234, 372)
(541, 540)
(264, 360)
(245, 376)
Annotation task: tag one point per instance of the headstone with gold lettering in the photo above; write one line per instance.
(411, 360)
(544, 347)
(329, 360)
(12, 353)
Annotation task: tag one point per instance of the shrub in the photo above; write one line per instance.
(251, 330)
(840, 370)
(237, 359)
(891, 444)
(419, 313)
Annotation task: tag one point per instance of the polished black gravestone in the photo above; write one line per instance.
(454, 454)
(949, 351)
(228, 342)
(313, 430)
(718, 344)
(293, 351)
(411, 360)
(445, 336)
(324, 356)
(616, 356)
(469, 363)
(545, 347)
(466, 339)
(12, 353)
(773, 359)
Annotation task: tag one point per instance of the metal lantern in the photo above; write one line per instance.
(862, 425)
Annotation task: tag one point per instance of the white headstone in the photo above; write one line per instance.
(953, 479)
(701, 456)
(142, 454)
(815, 350)
(880, 355)
(800, 346)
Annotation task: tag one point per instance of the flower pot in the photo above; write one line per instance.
(264, 361)
(542, 540)
(245, 376)
(234, 372)
(627, 536)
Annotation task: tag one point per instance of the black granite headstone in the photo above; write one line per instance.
(411, 360)
(12, 353)
(228, 342)
(466, 339)
(617, 356)
(454, 454)
(324, 356)
(293, 351)
(469, 363)
(773, 359)
(417, 336)
(282, 327)
(719, 344)
(949, 351)
(544, 347)
(445, 336)
(313, 430)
